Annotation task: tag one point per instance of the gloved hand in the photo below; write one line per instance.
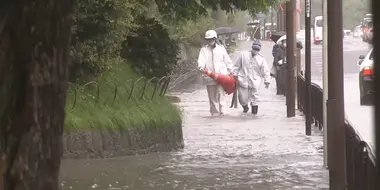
(266, 84)
(235, 77)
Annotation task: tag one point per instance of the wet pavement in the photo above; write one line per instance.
(235, 151)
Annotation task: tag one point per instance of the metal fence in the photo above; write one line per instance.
(316, 100)
(360, 160)
(137, 89)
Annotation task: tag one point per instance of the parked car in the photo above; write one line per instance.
(370, 35)
(366, 77)
(318, 30)
(367, 30)
(357, 33)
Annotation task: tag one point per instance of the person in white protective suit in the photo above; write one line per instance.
(249, 70)
(215, 58)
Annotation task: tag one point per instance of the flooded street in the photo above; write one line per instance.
(235, 151)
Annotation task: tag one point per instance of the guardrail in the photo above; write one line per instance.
(360, 161)
(361, 167)
(316, 100)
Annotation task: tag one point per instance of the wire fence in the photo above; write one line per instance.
(137, 89)
(181, 73)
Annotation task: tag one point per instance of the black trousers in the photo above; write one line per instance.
(281, 80)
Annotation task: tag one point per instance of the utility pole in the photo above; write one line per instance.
(335, 102)
(284, 17)
(325, 85)
(278, 20)
(281, 25)
(264, 35)
(291, 58)
(271, 20)
(376, 28)
(308, 66)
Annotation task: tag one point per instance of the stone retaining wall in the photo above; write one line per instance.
(113, 143)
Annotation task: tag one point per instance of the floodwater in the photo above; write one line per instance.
(235, 151)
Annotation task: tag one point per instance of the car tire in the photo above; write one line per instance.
(362, 97)
(365, 100)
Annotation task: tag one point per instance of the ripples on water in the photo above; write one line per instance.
(249, 155)
(233, 152)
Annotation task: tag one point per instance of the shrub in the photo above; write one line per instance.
(150, 49)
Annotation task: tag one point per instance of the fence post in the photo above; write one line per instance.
(308, 67)
(297, 69)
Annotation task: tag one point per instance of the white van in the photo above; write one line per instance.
(318, 29)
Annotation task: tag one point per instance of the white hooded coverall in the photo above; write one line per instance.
(250, 71)
(217, 60)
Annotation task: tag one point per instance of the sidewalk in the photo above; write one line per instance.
(242, 151)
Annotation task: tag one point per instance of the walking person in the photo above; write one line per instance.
(215, 58)
(250, 69)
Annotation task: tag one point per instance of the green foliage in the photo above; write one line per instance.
(108, 114)
(191, 9)
(101, 26)
(150, 49)
(146, 33)
(190, 32)
(99, 29)
(354, 12)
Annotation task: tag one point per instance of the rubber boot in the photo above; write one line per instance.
(255, 109)
(278, 88)
(245, 109)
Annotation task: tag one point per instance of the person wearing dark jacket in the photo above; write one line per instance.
(279, 67)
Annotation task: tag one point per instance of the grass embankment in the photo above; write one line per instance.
(105, 113)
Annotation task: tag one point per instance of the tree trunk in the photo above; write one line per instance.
(34, 44)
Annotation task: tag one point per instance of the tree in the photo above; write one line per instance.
(354, 12)
(150, 49)
(99, 29)
(191, 9)
(101, 26)
(35, 41)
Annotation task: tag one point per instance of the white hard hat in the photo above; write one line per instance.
(211, 34)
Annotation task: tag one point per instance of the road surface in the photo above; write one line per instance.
(361, 117)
